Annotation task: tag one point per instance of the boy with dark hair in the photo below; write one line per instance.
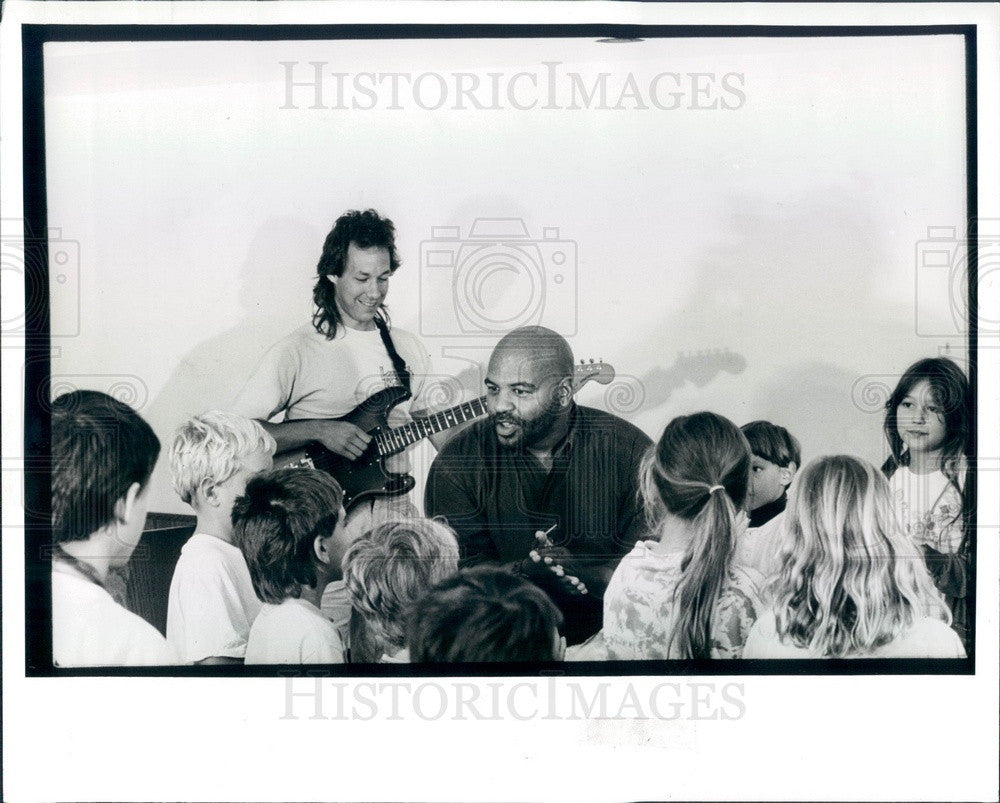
(485, 614)
(103, 454)
(290, 527)
(775, 457)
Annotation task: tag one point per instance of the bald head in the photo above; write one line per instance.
(529, 388)
(546, 351)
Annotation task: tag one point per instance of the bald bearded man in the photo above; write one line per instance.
(542, 463)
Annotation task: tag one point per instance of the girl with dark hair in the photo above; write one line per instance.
(677, 595)
(927, 425)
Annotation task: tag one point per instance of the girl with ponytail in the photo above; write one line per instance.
(677, 595)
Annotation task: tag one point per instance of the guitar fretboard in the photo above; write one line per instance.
(394, 441)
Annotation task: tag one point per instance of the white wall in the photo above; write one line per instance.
(785, 230)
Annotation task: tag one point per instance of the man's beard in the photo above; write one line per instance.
(526, 433)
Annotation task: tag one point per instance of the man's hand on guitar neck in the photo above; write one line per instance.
(340, 437)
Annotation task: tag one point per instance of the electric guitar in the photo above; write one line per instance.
(365, 477)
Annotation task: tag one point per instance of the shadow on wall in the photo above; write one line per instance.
(820, 405)
(791, 287)
(275, 292)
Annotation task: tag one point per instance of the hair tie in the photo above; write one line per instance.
(715, 488)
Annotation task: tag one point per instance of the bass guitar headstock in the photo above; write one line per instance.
(600, 372)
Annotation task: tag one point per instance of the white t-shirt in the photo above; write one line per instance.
(927, 638)
(930, 508)
(307, 376)
(90, 629)
(212, 602)
(294, 632)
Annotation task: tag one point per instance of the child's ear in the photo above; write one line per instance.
(787, 473)
(206, 490)
(321, 550)
(125, 506)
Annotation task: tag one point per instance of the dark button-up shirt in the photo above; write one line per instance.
(496, 498)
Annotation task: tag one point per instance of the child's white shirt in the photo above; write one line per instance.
(930, 508)
(90, 629)
(294, 632)
(212, 603)
(926, 638)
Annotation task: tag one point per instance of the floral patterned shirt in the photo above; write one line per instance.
(930, 508)
(640, 609)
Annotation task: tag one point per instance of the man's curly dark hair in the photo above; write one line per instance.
(365, 229)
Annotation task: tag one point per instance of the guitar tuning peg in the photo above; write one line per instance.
(591, 360)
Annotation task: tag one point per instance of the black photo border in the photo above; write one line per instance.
(37, 373)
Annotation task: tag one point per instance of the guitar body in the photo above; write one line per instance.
(366, 477)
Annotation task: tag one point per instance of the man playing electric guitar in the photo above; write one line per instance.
(324, 370)
(541, 464)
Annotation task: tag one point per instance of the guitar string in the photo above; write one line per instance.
(403, 436)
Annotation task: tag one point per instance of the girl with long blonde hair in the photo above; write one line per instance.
(852, 584)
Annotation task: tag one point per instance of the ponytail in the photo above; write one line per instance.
(703, 572)
(699, 471)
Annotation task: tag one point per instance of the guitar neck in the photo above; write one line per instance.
(394, 441)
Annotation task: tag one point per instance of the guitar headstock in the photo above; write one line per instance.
(598, 371)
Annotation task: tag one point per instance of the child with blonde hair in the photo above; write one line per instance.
(851, 584)
(386, 571)
(212, 602)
